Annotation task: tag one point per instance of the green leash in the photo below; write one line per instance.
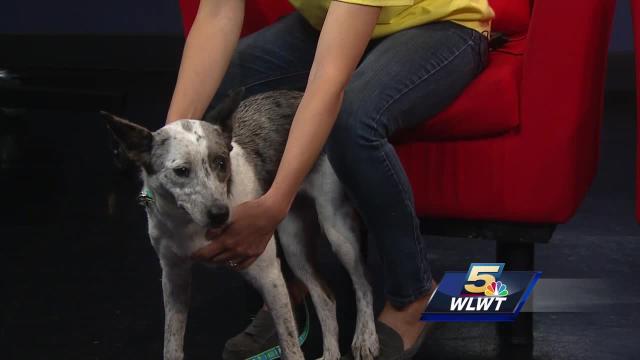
(275, 352)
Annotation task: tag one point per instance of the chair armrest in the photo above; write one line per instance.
(555, 150)
(564, 68)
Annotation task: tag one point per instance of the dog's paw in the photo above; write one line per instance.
(365, 345)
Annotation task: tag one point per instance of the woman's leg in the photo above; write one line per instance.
(277, 57)
(404, 79)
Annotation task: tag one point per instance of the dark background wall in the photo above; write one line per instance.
(90, 16)
(157, 16)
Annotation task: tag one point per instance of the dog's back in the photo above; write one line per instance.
(260, 125)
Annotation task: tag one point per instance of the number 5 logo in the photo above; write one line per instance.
(482, 272)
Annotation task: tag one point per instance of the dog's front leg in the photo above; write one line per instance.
(176, 289)
(265, 274)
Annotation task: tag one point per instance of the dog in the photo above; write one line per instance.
(195, 171)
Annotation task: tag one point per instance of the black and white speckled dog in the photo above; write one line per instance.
(198, 170)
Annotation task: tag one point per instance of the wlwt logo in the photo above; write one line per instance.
(485, 293)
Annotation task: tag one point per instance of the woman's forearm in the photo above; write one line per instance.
(344, 37)
(207, 52)
(311, 126)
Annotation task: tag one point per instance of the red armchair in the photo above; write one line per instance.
(516, 152)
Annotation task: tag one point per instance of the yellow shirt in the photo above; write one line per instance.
(398, 15)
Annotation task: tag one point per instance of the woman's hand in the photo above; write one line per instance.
(246, 236)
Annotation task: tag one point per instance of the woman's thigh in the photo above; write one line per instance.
(412, 75)
(404, 79)
(274, 58)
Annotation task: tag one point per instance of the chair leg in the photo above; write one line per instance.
(517, 256)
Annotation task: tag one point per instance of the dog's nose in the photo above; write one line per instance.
(218, 216)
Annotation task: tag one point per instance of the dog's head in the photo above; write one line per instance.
(186, 163)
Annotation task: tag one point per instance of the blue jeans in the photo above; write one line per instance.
(402, 80)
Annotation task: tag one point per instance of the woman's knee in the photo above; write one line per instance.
(354, 128)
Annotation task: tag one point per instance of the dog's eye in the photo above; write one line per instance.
(181, 171)
(220, 163)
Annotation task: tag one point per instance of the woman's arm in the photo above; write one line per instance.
(207, 52)
(344, 37)
(343, 40)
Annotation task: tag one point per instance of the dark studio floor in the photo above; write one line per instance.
(79, 279)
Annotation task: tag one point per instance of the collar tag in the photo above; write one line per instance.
(145, 197)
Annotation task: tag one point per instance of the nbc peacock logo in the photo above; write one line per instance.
(496, 288)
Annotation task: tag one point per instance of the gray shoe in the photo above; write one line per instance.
(260, 335)
(260, 340)
(391, 345)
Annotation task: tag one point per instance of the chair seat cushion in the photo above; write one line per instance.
(489, 106)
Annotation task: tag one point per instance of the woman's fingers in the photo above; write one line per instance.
(245, 263)
(208, 252)
(219, 252)
(224, 257)
(212, 234)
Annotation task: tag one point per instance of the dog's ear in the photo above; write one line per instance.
(135, 139)
(221, 115)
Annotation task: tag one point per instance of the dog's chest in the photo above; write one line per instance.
(181, 240)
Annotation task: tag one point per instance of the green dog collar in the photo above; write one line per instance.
(275, 352)
(145, 197)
